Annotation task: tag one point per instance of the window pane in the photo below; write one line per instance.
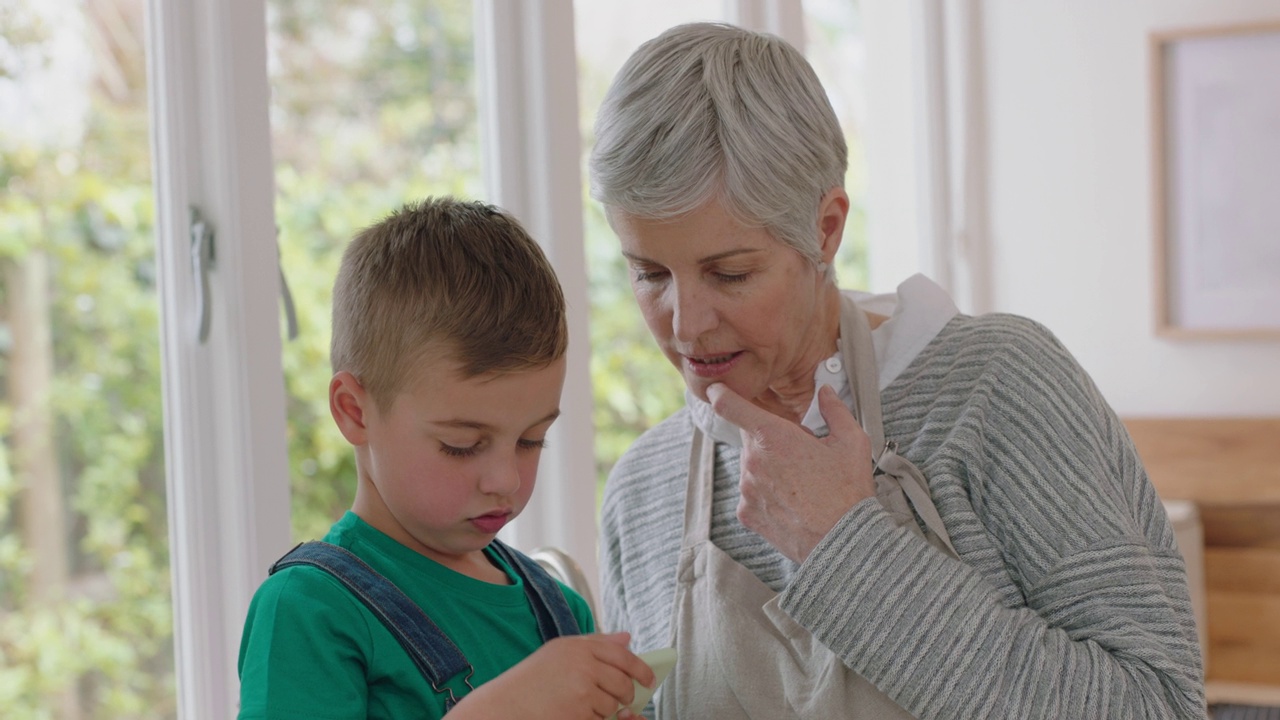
(834, 46)
(85, 616)
(634, 385)
(373, 104)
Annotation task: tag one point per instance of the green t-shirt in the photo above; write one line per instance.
(311, 650)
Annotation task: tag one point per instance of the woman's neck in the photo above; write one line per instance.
(791, 395)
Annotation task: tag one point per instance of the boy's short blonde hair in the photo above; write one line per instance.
(444, 276)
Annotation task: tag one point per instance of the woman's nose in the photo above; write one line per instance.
(692, 313)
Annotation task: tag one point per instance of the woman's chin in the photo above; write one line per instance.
(697, 386)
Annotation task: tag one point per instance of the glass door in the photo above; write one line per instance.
(635, 386)
(85, 606)
(373, 104)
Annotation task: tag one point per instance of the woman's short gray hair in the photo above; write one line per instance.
(707, 110)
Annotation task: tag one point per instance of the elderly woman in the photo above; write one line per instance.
(870, 507)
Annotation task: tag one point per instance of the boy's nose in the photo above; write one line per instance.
(502, 477)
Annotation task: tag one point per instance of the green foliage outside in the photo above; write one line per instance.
(94, 630)
(373, 105)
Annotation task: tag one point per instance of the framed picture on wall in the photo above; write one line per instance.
(1216, 142)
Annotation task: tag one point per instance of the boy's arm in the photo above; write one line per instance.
(578, 676)
(300, 654)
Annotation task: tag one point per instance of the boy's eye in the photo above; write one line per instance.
(532, 444)
(459, 452)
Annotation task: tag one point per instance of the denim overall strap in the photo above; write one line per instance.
(549, 604)
(434, 654)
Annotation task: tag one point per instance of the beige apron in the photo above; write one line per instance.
(740, 655)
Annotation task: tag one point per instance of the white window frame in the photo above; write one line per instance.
(225, 448)
(527, 78)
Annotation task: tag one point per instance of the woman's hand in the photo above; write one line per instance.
(572, 677)
(795, 487)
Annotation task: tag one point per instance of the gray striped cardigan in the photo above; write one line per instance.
(1072, 599)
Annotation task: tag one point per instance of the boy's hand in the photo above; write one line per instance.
(579, 676)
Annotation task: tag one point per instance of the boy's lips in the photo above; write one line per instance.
(491, 522)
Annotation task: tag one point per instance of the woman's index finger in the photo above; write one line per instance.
(733, 407)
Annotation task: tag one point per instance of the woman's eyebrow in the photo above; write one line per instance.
(701, 261)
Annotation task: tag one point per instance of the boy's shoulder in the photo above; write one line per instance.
(304, 588)
(308, 588)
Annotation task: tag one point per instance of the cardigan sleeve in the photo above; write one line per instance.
(1103, 627)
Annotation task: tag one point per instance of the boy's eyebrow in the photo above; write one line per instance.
(701, 261)
(486, 427)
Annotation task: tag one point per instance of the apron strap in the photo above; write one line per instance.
(860, 367)
(698, 489)
(916, 488)
(864, 380)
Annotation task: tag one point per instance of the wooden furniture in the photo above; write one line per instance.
(1230, 467)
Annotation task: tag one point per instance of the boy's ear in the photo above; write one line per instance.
(349, 405)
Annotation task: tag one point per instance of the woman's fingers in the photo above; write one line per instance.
(755, 422)
(794, 486)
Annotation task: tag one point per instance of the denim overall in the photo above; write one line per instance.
(434, 654)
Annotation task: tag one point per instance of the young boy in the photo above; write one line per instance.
(448, 354)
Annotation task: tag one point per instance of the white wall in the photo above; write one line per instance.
(893, 223)
(1070, 204)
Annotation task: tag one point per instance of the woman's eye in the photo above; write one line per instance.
(641, 275)
(732, 277)
(459, 452)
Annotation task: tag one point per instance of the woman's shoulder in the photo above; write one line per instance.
(667, 441)
(995, 359)
(654, 466)
(997, 328)
(1001, 341)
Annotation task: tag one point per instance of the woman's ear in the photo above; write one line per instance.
(833, 210)
(350, 405)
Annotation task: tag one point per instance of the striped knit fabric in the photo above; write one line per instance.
(1072, 599)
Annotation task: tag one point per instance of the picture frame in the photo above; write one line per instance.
(1216, 178)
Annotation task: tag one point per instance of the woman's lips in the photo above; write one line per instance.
(491, 522)
(711, 366)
